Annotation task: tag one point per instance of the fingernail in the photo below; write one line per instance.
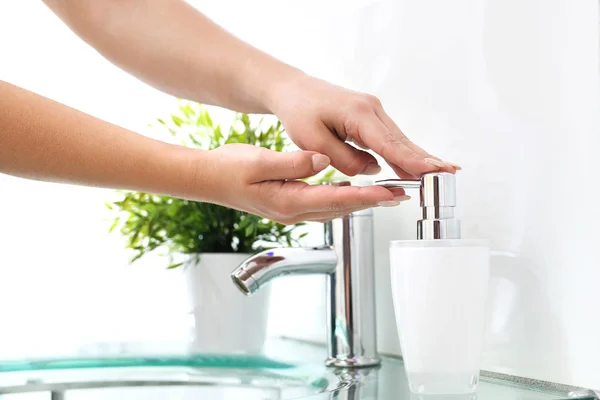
(372, 169)
(455, 166)
(435, 162)
(320, 162)
(402, 198)
(388, 203)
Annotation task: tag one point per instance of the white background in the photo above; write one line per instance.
(63, 280)
(509, 89)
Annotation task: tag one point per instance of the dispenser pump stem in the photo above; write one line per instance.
(438, 200)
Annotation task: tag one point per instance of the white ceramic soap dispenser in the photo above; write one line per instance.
(439, 288)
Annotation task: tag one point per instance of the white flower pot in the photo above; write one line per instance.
(225, 320)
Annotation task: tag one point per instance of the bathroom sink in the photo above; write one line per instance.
(287, 370)
(161, 377)
(161, 383)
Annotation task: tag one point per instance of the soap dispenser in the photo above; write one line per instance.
(439, 287)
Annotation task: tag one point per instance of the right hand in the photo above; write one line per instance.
(320, 116)
(265, 183)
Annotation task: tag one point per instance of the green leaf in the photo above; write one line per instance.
(173, 266)
(208, 119)
(187, 110)
(113, 225)
(173, 209)
(244, 222)
(178, 121)
(245, 120)
(195, 141)
(218, 136)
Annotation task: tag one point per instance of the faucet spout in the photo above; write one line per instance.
(347, 261)
(263, 267)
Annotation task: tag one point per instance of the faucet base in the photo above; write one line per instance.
(353, 362)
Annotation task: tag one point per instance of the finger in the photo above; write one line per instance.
(328, 216)
(378, 137)
(398, 192)
(327, 198)
(401, 173)
(274, 165)
(397, 132)
(347, 159)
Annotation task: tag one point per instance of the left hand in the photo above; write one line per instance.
(322, 117)
(267, 183)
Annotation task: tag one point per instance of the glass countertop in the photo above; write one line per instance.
(287, 369)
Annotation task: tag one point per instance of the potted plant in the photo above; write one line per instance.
(208, 241)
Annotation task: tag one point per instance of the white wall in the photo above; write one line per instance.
(509, 90)
(64, 282)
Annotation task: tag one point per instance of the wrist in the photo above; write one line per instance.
(205, 176)
(280, 87)
(266, 79)
(185, 173)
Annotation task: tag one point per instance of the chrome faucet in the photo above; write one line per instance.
(347, 260)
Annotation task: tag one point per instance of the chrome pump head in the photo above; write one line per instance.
(438, 199)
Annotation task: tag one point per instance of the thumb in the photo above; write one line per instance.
(291, 165)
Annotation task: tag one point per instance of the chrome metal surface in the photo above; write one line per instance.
(437, 199)
(268, 265)
(400, 183)
(351, 293)
(348, 262)
(356, 384)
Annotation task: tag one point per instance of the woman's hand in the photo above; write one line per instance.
(230, 73)
(264, 182)
(320, 116)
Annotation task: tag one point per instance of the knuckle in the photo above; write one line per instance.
(351, 170)
(296, 166)
(335, 206)
(393, 148)
(388, 144)
(334, 214)
(355, 166)
(284, 209)
(373, 100)
(301, 164)
(268, 192)
(361, 105)
(356, 163)
(351, 127)
(339, 213)
(365, 199)
(257, 159)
